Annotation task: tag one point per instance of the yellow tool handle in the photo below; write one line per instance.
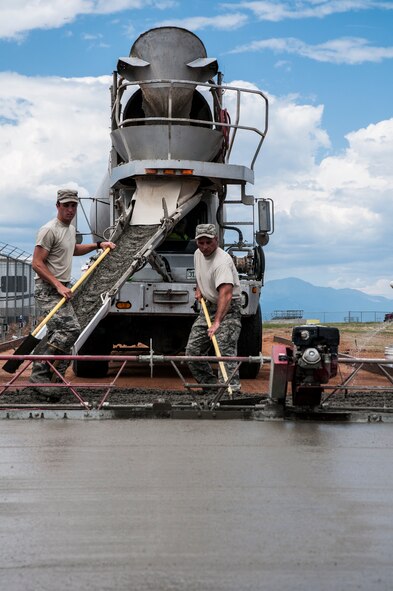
(73, 288)
(216, 347)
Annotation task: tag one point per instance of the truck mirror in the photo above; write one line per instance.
(265, 215)
(265, 221)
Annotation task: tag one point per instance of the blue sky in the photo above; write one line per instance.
(326, 66)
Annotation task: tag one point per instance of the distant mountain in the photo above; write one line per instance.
(323, 303)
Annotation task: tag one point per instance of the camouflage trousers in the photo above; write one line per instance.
(227, 335)
(62, 331)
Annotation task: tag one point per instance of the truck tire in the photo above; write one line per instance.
(250, 343)
(90, 369)
(259, 258)
(97, 344)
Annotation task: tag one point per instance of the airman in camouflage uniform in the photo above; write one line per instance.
(227, 337)
(218, 283)
(52, 262)
(63, 330)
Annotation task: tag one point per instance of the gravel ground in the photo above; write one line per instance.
(360, 399)
(138, 396)
(129, 396)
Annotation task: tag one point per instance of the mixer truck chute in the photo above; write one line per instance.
(173, 142)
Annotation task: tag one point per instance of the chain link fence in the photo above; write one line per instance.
(346, 316)
(17, 306)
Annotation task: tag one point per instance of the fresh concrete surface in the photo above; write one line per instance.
(195, 505)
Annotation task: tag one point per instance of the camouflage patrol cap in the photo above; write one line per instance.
(205, 230)
(66, 195)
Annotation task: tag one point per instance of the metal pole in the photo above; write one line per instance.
(7, 277)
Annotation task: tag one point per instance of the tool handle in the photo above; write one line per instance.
(216, 347)
(73, 288)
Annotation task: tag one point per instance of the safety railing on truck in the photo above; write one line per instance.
(224, 123)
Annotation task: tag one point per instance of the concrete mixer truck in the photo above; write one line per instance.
(182, 154)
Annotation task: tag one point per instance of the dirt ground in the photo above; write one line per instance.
(356, 340)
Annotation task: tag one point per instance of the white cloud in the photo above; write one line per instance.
(346, 50)
(275, 11)
(165, 4)
(54, 132)
(372, 146)
(379, 287)
(105, 7)
(334, 222)
(294, 140)
(197, 23)
(19, 17)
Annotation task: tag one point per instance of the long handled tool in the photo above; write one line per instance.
(216, 347)
(31, 341)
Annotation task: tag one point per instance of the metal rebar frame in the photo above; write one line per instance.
(206, 408)
(150, 359)
(360, 363)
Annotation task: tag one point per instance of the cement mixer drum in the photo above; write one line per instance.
(167, 53)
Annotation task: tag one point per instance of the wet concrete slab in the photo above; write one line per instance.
(189, 505)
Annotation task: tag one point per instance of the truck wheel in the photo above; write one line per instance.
(90, 369)
(250, 343)
(97, 344)
(259, 263)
